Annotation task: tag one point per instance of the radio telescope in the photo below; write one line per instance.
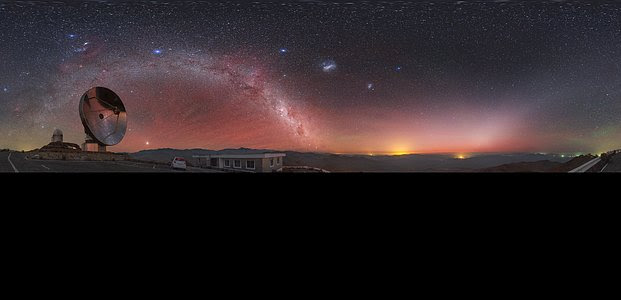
(104, 119)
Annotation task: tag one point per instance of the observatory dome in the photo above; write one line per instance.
(57, 136)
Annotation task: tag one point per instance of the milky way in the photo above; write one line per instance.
(367, 77)
(187, 99)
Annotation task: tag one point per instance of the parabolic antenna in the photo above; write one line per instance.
(103, 116)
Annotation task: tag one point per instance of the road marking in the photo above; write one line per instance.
(602, 170)
(585, 167)
(45, 167)
(12, 165)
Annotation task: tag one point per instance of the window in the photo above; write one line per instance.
(250, 164)
(278, 160)
(237, 163)
(271, 162)
(227, 163)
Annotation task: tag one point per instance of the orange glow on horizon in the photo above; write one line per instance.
(400, 153)
(462, 156)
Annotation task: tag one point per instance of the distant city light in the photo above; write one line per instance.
(400, 153)
(462, 156)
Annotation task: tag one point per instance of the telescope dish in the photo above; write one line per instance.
(103, 116)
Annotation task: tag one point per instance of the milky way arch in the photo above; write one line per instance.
(186, 99)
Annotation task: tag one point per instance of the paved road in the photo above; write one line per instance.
(5, 166)
(23, 164)
(614, 165)
(586, 166)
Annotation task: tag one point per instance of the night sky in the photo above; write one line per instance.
(361, 77)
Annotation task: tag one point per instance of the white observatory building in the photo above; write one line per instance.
(57, 136)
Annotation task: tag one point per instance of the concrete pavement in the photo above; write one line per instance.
(614, 165)
(586, 166)
(5, 166)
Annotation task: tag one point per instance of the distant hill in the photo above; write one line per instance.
(167, 154)
(412, 163)
(573, 163)
(367, 163)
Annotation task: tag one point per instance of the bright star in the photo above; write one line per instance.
(283, 50)
(398, 68)
(328, 65)
(157, 51)
(370, 86)
(72, 36)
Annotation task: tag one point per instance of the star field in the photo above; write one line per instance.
(359, 77)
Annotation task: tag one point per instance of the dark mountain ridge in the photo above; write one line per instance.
(380, 163)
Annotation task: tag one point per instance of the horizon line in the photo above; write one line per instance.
(369, 153)
(384, 153)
